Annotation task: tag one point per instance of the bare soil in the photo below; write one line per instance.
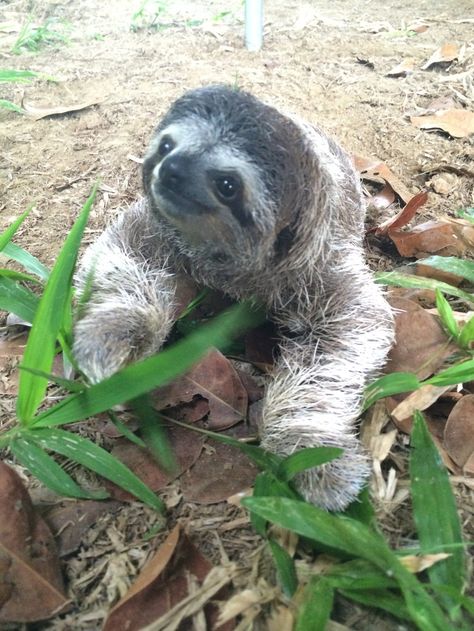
(324, 61)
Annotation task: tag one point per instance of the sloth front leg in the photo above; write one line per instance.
(126, 297)
(314, 398)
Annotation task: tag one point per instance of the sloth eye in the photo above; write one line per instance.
(227, 187)
(166, 145)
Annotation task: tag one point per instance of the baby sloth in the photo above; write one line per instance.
(258, 204)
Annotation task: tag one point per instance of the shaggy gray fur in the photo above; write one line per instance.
(290, 234)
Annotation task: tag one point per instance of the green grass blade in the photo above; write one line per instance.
(17, 76)
(11, 107)
(306, 459)
(361, 509)
(380, 599)
(41, 347)
(47, 470)
(353, 538)
(67, 384)
(10, 273)
(90, 455)
(446, 315)
(142, 377)
(29, 262)
(459, 373)
(316, 607)
(453, 265)
(434, 511)
(154, 434)
(285, 567)
(17, 299)
(9, 233)
(268, 485)
(466, 337)
(125, 431)
(386, 386)
(359, 575)
(419, 282)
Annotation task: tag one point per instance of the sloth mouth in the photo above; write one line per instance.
(177, 204)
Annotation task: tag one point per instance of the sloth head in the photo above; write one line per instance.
(227, 173)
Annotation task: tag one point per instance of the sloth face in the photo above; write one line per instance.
(216, 168)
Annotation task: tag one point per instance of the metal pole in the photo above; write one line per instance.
(253, 24)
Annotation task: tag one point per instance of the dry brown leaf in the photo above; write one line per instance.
(418, 563)
(405, 215)
(162, 585)
(459, 431)
(421, 344)
(247, 599)
(11, 350)
(281, 619)
(214, 379)
(41, 111)
(381, 445)
(431, 237)
(220, 471)
(383, 199)
(402, 69)
(31, 584)
(69, 521)
(456, 122)
(186, 446)
(421, 399)
(445, 54)
(432, 272)
(375, 170)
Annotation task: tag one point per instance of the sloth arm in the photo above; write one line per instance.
(126, 296)
(314, 398)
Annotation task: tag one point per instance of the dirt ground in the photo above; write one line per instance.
(325, 61)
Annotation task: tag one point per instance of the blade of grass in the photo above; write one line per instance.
(446, 315)
(306, 459)
(13, 275)
(47, 470)
(285, 567)
(352, 537)
(123, 429)
(17, 299)
(466, 337)
(11, 107)
(435, 512)
(359, 575)
(380, 599)
(418, 282)
(453, 265)
(9, 233)
(41, 347)
(386, 386)
(67, 384)
(154, 434)
(459, 373)
(17, 76)
(90, 455)
(29, 262)
(142, 377)
(316, 607)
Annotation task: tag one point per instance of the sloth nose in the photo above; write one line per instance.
(173, 171)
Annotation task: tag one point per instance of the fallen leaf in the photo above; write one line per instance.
(186, 446)
(446, 54)
(41, 111)
(69, 521)
(402, 69)
(421, 399)
(430, 237)
(375, 170)
(405, 215)
(456, 122)
(432, 272)
(459, 431)
(11, 350)
(419, 563)
(220, 471)
(418, 28)
(214, 379)
(163, 584)
(421, 345)
(30, 578)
